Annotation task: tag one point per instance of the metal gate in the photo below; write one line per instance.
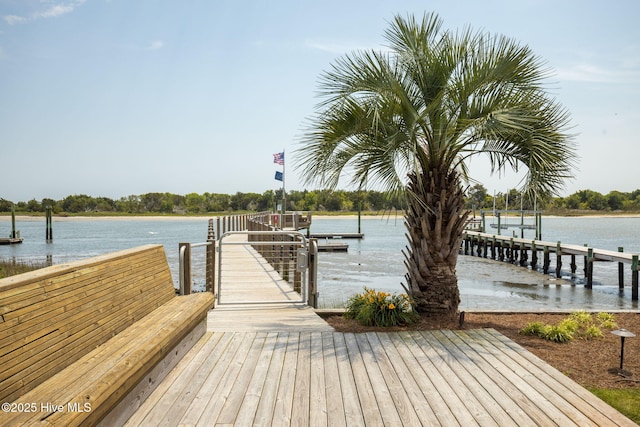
(259, 267)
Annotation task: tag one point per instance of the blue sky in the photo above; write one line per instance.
(118, 97)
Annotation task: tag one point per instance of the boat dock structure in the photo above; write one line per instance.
(250, 350)
(516, 251)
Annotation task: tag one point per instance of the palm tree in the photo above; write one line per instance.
(409, 118)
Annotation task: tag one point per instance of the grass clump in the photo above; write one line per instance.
(579, 324)
(14, 267)
(375, 308)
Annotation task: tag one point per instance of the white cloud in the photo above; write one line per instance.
(51, 11)
(340, 48)
(590, 73)
(14, 19)
(156, 44)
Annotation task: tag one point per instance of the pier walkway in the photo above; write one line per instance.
(278, 363)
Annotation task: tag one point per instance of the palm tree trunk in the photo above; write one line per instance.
(435, 220)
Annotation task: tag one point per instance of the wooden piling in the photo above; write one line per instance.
(14, 234)
(634, 278)
(559, 260)
(590, 268)
(620, 272)
(49, 224)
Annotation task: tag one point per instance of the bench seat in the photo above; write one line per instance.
(90, 339)
(89, 388)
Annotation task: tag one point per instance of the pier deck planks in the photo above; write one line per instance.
(257, 378)
(280, 364)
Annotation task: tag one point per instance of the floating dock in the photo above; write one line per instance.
(337, 235)
(333, 247)
(10, 240)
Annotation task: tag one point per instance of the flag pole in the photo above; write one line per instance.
(284, 194)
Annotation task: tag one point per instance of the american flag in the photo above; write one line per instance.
(278, 158)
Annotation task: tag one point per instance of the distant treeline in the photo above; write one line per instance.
(315, 200)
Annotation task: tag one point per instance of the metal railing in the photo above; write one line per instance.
(276, 250)
(286, 251)
(184, 262)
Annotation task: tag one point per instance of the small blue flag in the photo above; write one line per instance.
(279, 176)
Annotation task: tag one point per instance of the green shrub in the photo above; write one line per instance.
(372, 308)
(593, 331)
(557, 333)
(607, 320)
(578, 324)
(533, 328)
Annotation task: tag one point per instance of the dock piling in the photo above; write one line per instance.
(49, 223)
(620, 272)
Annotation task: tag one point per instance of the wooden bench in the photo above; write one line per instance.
(90, 339)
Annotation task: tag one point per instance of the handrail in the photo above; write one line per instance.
(184, 273)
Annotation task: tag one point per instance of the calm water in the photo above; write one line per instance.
(375, 262)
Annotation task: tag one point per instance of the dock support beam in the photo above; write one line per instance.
(620, 272)
(558, 260)
(634, 278)
(589, 268)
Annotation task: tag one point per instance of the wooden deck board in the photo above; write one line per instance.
(394, 378)
(278, 363)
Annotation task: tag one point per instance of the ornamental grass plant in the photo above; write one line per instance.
(376, 308)
(579, 324)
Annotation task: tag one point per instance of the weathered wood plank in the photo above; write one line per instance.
(502, 408)
(333, 392)
(224, 383)
(174, 383)
(551, 399)
(420, 374)
(426, 399)
(318, 416)
(394, 379)
(383, 400)
(350, 398)
(502, 374)
(302, 384)
(284, 399)
(267, 403)
(367, 397)
(580, 399)
(247, 409)
(460, 402)
(206, 403)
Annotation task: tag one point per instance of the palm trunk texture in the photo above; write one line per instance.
(435, 220)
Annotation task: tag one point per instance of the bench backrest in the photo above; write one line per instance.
(51, 317)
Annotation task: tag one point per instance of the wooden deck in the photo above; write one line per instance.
(280, 364)
(341, 379)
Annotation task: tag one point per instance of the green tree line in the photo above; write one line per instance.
(477, 197)
(584, 200)
(193, 203)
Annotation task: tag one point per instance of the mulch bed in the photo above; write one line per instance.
(588, 362)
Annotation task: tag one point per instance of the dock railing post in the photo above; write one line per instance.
(211, 259)
(185, 268)
(620, 272)
(312, 279)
